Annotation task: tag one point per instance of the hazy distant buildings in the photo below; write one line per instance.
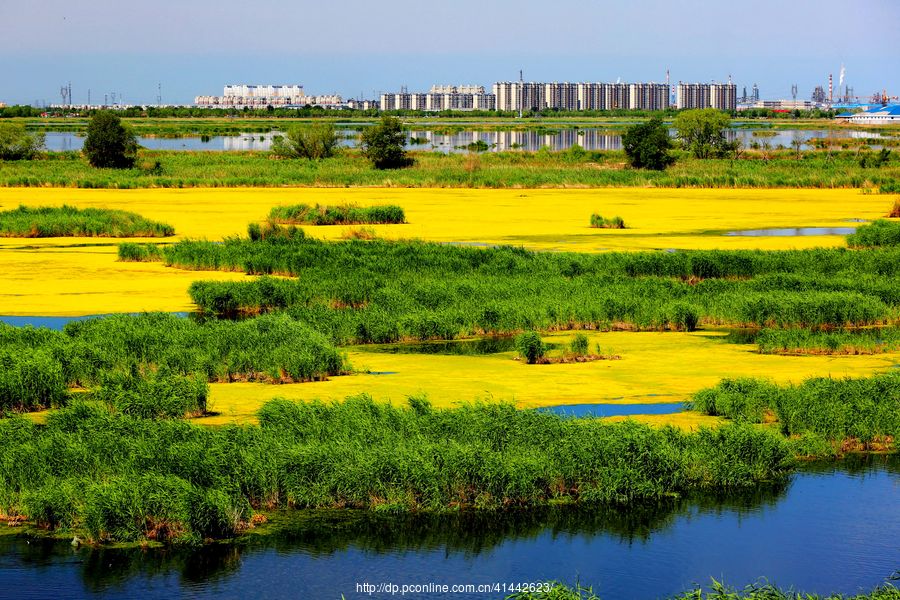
(441, 97)
(722, 96)
(530, 96)
(261, 96)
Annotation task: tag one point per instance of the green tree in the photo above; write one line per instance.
(18, 144)
(307, 141)
(109, 143)
(702, 131)
(384, 143)
(647, 145)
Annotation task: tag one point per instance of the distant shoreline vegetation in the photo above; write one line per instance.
(508, 169)
(68, 221)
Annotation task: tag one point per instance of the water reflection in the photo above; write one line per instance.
(457, 139)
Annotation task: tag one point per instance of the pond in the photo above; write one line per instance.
(833, 528)
(458, 140)
(614, 410)
(793, 231)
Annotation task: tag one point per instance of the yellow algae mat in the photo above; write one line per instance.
(654, 367)
(77, 276)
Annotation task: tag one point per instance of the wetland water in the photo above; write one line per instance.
(444, 140)
(832, 528)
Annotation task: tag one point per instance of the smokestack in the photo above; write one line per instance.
(830, 89)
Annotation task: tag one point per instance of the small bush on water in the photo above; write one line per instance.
(530, 346)
(597, 221)
(342, 214)
(579, 345)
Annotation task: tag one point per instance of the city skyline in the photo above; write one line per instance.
(354, 50)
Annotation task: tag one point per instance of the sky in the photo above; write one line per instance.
(361, 48)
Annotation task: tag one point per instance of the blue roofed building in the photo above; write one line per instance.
(878, 115)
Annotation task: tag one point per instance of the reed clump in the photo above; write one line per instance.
(383, 291)
(863, 410)
(157, 355)
(68, 221)
(341, 214)
(119, 477)
(135, 252)
(836, 341)
(599, 222)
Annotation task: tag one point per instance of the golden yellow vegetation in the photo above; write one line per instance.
(79, 276)
(654, 367)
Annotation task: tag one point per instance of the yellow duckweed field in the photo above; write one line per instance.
(653, 367)
(77, 276)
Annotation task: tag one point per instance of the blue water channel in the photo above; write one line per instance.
(833, 527)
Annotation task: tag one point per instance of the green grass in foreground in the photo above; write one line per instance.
(342, 214)
(866, 410)
(62, 221)
(117, 477)
(878, 233)
(716, 591)
(815, 169)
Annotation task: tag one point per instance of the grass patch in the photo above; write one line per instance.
(343, 214)
(68, 221)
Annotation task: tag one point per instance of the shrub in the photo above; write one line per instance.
(383, 144)
(314, 142)
(530, 346)
(647, 145)
(17, 144)
(109, 144)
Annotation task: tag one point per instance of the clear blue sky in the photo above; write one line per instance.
(353, 46)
